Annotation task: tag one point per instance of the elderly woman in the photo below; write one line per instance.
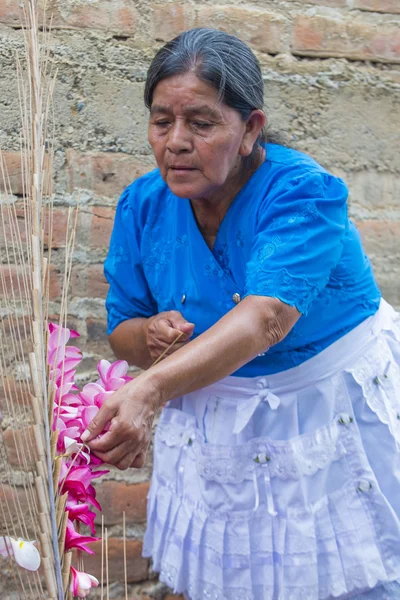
(276, 462)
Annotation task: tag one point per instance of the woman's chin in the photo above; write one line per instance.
(183, 190)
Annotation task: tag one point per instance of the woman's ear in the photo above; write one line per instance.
(254, 125)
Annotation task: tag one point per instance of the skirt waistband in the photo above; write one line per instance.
(338, 356)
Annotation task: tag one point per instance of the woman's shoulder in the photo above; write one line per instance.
(290, 169)
(285, 157)
(143, 196)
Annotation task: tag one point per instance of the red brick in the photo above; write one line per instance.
(88, 281)
(56, 284)
(15, 501)
(101, 226)
(18, 337)
(325, 36)
(385, 6)
(12, 278)
(13, 227)
(169, 20)
(12, 390)
(10, 12)
(20, 447)
(118, 16)
(13, 170)
(116, 497)
(106, 173)
(262, 30)
(94, 228)
(59, 228)
(137, 566)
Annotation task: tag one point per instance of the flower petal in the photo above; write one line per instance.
(89, 392)
(118, 369)
(115, 383)
(26, 554)
(102, 369)
(88, 414)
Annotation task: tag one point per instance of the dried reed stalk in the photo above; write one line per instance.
(25, 236)
(32, 506)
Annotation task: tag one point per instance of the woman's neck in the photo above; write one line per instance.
(209, 213)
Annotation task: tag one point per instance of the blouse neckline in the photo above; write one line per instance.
(231, 208)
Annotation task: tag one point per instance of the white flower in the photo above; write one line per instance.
(74, 447)
(81, 583)
(24, 552)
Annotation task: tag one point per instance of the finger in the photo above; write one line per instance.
(166, 333)
(179, 322)
(126, 462)
(116, 435)
(139, 461)
(98, 423)
(117, 453)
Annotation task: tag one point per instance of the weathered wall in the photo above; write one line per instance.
(332, 79)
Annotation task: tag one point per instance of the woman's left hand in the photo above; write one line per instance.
(131, 412)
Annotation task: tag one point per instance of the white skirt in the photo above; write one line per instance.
(285, 487)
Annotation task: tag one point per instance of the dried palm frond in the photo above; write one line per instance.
(31, 508)
(35, 364)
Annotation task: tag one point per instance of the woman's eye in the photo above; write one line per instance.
(200, 125)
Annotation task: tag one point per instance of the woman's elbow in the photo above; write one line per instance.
(277, 319)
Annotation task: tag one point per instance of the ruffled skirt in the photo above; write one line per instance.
(285, 487)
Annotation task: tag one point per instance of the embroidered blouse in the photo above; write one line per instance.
(286, 234)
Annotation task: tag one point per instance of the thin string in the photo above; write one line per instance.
(178, 337)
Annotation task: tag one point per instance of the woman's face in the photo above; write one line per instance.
(197, 141)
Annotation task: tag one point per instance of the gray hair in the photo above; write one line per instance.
(219, 59)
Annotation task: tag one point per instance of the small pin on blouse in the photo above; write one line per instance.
(183, 299)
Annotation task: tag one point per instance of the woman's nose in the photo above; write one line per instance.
(179, 139)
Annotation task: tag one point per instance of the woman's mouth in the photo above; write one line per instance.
(181, 170)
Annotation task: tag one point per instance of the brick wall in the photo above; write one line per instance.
(332, 78)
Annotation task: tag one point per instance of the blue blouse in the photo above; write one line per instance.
(286, 235)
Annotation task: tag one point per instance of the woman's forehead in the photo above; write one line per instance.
(185, 87)
(187, 94)
(209, 110)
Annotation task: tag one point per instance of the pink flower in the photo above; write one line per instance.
(81, 583)
(82, 513)
(89, 393)
(72, 412)
(72, 433)
(78, 485)
(59, 354)
(76, 540)
(113, 376)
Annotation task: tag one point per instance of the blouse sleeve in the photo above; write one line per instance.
(129, 295)
(298, 240)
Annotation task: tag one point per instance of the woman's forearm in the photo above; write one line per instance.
(128, 342)
(250, 328)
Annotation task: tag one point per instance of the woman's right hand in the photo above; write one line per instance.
(163, 329)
